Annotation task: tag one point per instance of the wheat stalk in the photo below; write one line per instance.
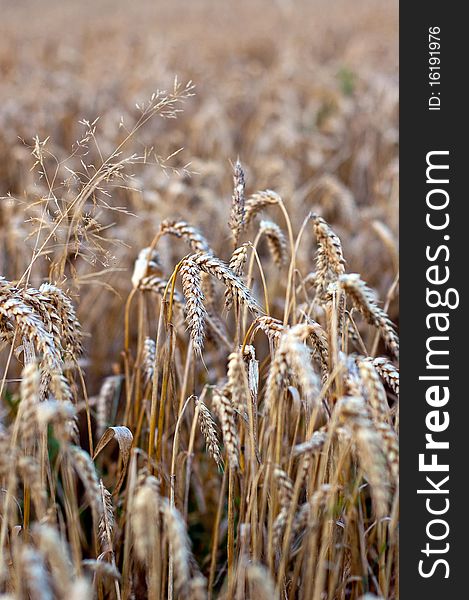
(236, 264)
(236, 222)
(276, 241)
(147, 262)
(179, 547)
(293, 358)
(221, 271)
(145, 518)
(209, 431)
(257, 202)
(225, 413)
(189, 234)
(370, 450)
(388, 372)
(84, 466)
(329, 258)
(364, 300)
(196, 313)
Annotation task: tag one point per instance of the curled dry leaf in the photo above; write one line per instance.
(124, 438)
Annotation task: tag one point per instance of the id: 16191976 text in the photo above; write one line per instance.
(434, 100)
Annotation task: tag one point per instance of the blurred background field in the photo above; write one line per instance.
(298, 90)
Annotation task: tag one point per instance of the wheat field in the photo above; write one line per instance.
(199, 300)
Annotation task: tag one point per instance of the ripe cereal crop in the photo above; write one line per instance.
(199, 327)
